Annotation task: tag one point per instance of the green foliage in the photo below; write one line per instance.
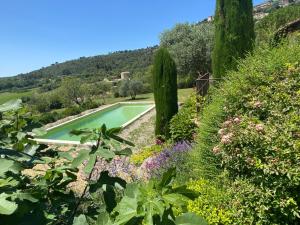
(130, 88)
(43, 197)
(46, 199)
(250, 128)
(146, 152)
(214, 204)
(266, 27)
(7, 96)
(50, 117)
(190, 45)
(14, 122)
(87, 69)
(234, 34)
(182, 125)
(72, 92)
(152, 204)
(146, 78)
(165, 91)
(71, 111)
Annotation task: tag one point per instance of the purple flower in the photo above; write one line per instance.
(169, 157)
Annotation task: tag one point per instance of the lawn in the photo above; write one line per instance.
(7, 96)
(183, 94)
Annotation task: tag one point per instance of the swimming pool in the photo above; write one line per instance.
(117, 115)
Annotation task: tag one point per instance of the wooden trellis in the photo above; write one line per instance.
(202, 84)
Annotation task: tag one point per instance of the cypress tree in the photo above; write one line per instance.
(234, 34)
(165, 90)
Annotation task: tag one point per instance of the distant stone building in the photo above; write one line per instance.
(261, 8)
(284, 3)
(125, 75)
(210, 19)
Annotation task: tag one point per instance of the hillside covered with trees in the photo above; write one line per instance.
(94, 68)
(230, 157)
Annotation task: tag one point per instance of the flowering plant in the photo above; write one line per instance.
(169, 157)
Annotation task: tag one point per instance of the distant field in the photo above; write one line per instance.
(6, 96)
(183, 94)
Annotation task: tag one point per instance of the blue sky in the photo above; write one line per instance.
(36, 33)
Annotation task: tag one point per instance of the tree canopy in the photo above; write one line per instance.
(190, 45)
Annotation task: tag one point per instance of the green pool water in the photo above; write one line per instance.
(114, 116)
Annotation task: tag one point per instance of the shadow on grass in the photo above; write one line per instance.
(136, 99)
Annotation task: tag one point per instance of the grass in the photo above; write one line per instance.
(7, 96)
(183, 94)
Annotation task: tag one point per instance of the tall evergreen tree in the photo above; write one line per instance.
(234, 34)
(165, 90)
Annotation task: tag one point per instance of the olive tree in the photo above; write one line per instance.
(190, 45)
(130, 88)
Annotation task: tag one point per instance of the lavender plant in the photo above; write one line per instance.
(166, 159)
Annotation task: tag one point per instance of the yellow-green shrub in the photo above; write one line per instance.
(213, 204)
(139, 157)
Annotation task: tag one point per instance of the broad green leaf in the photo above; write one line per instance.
(105, 153)
(5, 165)
(127, 209)
(168, 177)
(39, 131)
(8, 182)
(65, 155)
(7, 207)
(153, 207)
(11, 105)
(4, 123)
(19, 146)
(90, 165)
(183, 190)
(132, 190)
(81, 132)
(80, 220)
(71, 177)
(23, 196)
(21, 135)
(103, 129)
(190, 219)
(114, 130)
(86, 138)
(9, 165)
(167, 218)
(122, 140)
(125, 152)
(82, 155)
(175, 199)
(103, 219)
(31, 149)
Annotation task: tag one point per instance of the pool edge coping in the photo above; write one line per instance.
(77, 143)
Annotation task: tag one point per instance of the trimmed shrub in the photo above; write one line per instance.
(71, 111)
(182, 125)
(89, 105)
(49, 117)
(165, 91)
